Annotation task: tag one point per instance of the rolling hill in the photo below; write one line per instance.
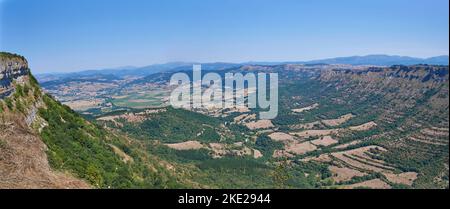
(339, 126)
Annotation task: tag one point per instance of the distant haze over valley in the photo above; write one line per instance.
(292, 94)
(376, 60)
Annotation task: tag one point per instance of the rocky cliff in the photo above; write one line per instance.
(44, 144)
(23, 158)
(12, 68)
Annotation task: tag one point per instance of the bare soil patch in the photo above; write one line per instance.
(437, 132)
(407, 178)
(220, 150)
(311, 107)
(132, 117)
(24, 163)
(363, 127)
(373, 184)
(257, 154)
(324, 158)
(83, 104)
(325, 141)
(188, 145)
(125, 158)
(281, 137)
(315, 133)
(341, 174)
(282, 154)
(260, 124)
(244, 118)
(311, 125)
(362, 162)
(300, 148)
(338, 121)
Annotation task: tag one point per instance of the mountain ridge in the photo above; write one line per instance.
(384, 60)
(375, 59)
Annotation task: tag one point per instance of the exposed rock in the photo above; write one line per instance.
(12, 68)
(23, 158)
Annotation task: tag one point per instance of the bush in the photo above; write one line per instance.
(9, 103)
(80, 147)
(266, 145)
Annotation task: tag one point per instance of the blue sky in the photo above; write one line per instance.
(72, 35)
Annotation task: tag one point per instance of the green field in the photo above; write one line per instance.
(141, 100)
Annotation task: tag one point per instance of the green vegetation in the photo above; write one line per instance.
(250, 173)
(178, 156)
(238, 172)
(80, 147)
(9, 103)
(267, 146)
(137, 100)
(178, 125)
(130, 152)
(2, 144)
(8, 55)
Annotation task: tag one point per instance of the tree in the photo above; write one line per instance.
(280, 175)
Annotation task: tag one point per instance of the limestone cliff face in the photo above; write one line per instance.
(23, 158)
(401, 87)
(414, 73)
(12, 68)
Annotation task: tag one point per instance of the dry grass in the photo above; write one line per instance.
(341, 174)
(363, 127)
(132, 117)
(188, 145)
(324, 158)
(281, 137)
(373, 184)
(282, 154)
(84, 104)
(244, 117)
(24, 164)
(325, 141)
(260, 124)
(436, 132)
(220, 150)
(300, 148)
(407, 178)
(125, 158)
(306, 125)
(315, 133)
(338, 121)
(363, 163)
(311, 107)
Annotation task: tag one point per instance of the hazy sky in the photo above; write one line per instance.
(72, 35)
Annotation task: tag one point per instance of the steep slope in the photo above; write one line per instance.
(23, 162)
(399, 118)
(412, 110)
(44, 144)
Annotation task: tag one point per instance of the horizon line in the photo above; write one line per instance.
(131, 67)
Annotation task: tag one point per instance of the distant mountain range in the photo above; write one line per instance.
(378, 60)
(384, 60)
(135, 71)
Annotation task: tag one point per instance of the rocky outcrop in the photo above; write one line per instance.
(415, 73)
(12, 68)
(23, 157)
